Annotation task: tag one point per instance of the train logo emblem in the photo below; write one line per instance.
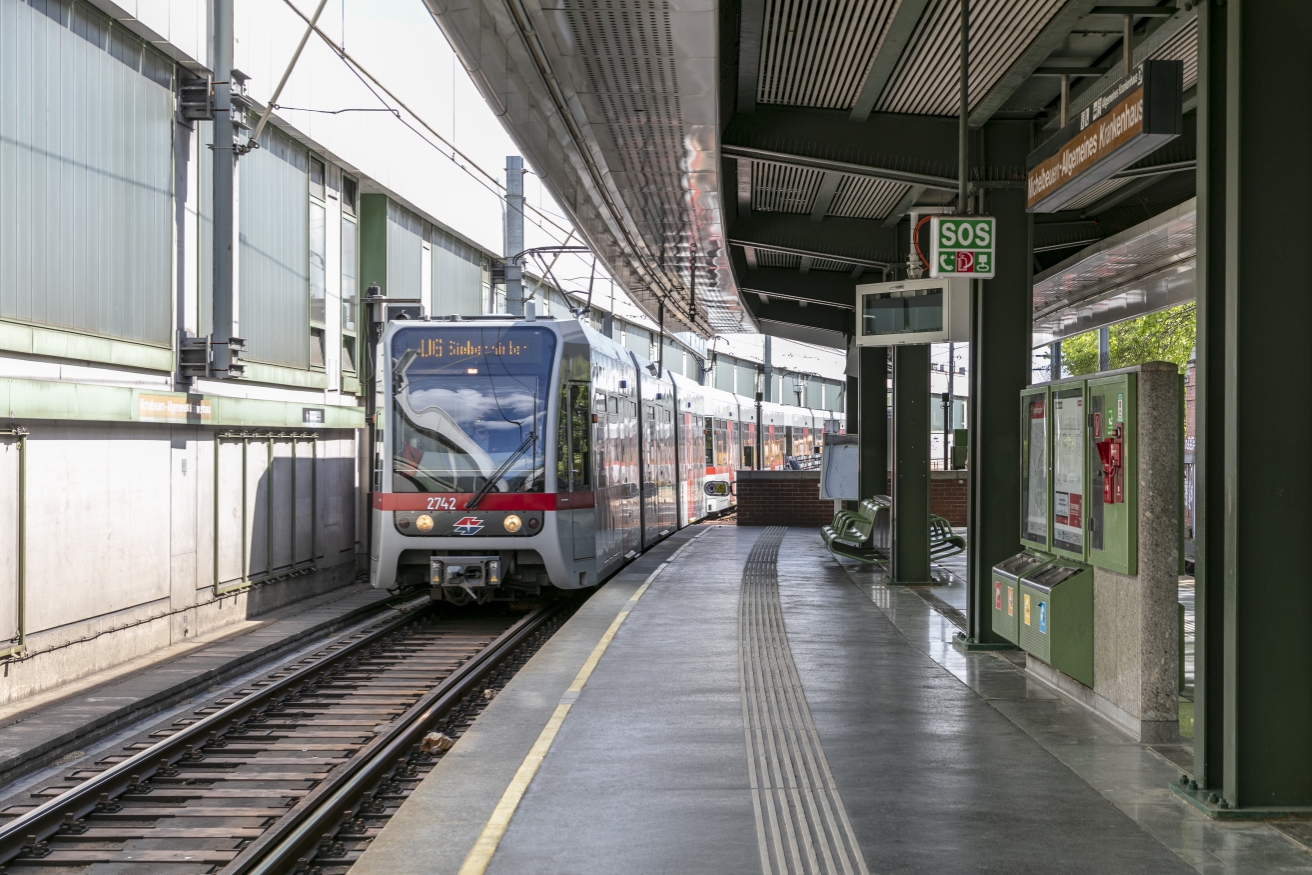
(468, 525)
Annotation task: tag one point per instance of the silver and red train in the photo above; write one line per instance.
(517, 453)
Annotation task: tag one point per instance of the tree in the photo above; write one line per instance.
(1164, 336)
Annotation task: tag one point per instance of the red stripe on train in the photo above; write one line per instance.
(491, 501)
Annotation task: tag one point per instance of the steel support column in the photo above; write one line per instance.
(999, 369)
(910, 528)
(1267, 745)
(1209, 447)
(852, 404)
(873, 429)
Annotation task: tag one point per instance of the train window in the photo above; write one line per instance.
(721, 442)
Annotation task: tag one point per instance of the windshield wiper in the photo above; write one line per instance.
(505, 466)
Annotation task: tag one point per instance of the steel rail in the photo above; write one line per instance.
(295, 835)
(46, 819)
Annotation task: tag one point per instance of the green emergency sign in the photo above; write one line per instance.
(961, 246)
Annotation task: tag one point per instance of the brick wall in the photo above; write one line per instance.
(792, 498)
(782, 498)
(948, 495)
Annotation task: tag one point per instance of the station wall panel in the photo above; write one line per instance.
(303, 501)
(97, 521)
(86, 173)
(10, 516)
(228, 514)
(282, 520)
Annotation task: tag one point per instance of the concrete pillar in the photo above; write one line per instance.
(910, 518)
(1000, 360)
(873, 429)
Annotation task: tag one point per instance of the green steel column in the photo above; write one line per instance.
(999, 368)
(1267, 748)
(852, 403)
(873, 429)
(911, 401)
(1209, 412)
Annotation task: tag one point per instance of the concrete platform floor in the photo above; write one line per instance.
(872, 742)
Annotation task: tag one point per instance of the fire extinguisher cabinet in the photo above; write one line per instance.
(1113, 494)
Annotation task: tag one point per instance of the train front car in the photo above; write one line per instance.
(469, 432)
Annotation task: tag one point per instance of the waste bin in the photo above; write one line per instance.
(1006, 590)
(1056, 617)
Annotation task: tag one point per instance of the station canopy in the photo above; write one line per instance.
(746, 164)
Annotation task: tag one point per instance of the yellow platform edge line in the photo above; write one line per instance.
(480, 856)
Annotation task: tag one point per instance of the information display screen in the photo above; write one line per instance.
(913, 311)
(1068, 469)
(1034, 469)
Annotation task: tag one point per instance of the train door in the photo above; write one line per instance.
(632, 512)
(576, 470)
(668, 469)
(650, 477)
(602, 478)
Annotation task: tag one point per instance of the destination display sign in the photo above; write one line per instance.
(1123, 124)
(458, 346)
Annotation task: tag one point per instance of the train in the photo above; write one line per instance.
(516, 453)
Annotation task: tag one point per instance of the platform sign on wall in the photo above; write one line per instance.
(961, 246)
(1123, 124)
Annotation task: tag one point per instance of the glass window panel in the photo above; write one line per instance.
(318, 254)
(317, 174)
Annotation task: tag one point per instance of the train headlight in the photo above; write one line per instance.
(513, 523)
(424, 523)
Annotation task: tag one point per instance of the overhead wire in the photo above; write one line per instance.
(370, 81)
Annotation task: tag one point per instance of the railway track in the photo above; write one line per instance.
(293, 774)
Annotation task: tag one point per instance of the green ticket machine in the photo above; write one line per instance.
(1056, 617)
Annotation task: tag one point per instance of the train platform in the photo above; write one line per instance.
(46, 728)
(737, 701)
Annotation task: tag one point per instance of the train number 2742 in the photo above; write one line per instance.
(442, 504)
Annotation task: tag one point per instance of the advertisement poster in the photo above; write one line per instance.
(1068, 472)
(1036, 487)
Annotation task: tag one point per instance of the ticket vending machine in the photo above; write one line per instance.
(1113, 463)
(1079, 494)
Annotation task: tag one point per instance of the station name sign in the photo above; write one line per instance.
(1123, 124)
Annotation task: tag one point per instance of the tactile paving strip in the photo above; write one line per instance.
(801, 824)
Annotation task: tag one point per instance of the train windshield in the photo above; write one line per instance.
(469, 408)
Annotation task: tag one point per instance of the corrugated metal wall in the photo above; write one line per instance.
(405, 236)
(86, 173)
(457, 277)
(274, 313)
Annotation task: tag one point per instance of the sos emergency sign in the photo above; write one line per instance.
(961, 246)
